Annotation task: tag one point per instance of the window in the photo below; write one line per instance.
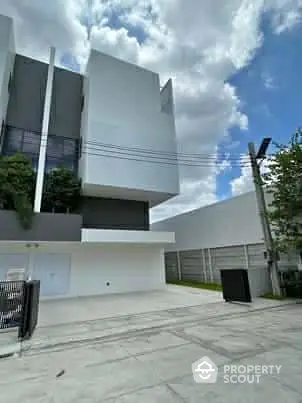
(13, 140)
(55, 147)
(60, 151)
(31, 142)
(70, 148)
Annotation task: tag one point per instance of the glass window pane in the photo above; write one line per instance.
(55, 147)
(70, 148)
(13, 140)
(51, 164)
(31, 142)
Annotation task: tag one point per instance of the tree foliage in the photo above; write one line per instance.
(61, 191)
(17, 180)
(284, 180)
(17, 187)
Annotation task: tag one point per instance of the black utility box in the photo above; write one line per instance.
(235, 285)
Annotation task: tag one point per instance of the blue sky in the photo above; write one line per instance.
(270, 89)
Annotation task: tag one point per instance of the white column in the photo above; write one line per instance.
(210, 265)
(178, 266)
(44, 134)
(246, 255)
(204, 264)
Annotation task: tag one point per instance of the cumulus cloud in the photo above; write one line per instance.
(200, 44)
(245, 183)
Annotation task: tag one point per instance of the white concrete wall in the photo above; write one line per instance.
(231, 222)
(123, 107)
(7, 58)
(127, 269)
(90, 267)
(127, 237)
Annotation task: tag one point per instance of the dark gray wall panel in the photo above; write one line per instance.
(192, 267)
(103, 213)
(27, 94)
(65, 111)
(171, 265)
(46, 227)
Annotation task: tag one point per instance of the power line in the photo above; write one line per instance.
(146, 155)
(204, 161)
(160, 160)
(158, 152)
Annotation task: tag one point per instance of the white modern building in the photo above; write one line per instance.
(103, 126)
(224, 235)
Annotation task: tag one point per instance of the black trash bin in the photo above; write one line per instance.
(235, 285)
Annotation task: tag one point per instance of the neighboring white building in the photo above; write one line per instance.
(227, 234)
(101, 125)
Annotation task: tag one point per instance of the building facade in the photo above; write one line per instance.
(224, 235)
(101, 125)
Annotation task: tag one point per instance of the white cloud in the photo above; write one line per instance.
(268, 81)
(287, 14)
(200, 44)
(245, 183)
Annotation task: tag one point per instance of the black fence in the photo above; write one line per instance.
(19, 306)
(11, 303)
(235, 285)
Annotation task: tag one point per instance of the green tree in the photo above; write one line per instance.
(17, 180)
(284, 180)
(62, 191)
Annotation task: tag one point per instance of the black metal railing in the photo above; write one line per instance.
(19, 306)
(11, 303)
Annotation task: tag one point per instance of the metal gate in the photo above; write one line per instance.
(19, 306)
(11, 303)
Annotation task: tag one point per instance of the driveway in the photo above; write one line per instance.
(62, 311)
(147, 356)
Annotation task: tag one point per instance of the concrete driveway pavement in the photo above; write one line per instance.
(62, 311)
(147, 356)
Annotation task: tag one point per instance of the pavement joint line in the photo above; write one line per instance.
(137, 355)
(129, 333)
(209, 346)
(218, 350)
(179, 397)
(185, 309)
(197, 318)
(160, 383)
(139, 314)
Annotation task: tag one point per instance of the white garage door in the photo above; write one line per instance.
(53, 271)
(12, 261)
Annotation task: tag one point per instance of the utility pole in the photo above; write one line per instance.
(268, 239)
